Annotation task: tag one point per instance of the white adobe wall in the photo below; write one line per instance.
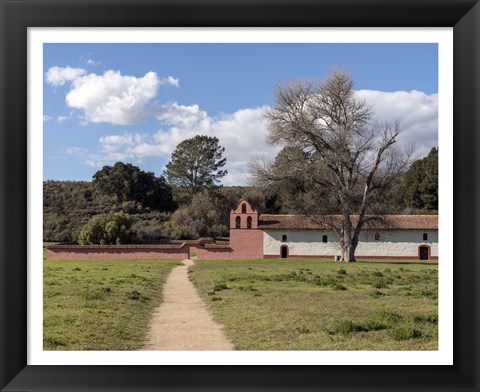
(309, 242)
(300, 242)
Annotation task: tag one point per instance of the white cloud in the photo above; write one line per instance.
(151, 149)
(61, 119)
(243, 132)
(416, 111)
(171, 80)
(58, 76)
(179, 115)
(112, 97)
(46, 117)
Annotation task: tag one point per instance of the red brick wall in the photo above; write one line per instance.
(214, 253)
(81, 253)
(244, 244)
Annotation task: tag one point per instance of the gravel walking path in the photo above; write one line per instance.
(182, 321)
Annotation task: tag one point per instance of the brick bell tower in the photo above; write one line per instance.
(244, 217)
(246, 239)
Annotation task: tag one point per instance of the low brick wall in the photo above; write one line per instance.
(181, 251)
(118, 252)
(224, 253)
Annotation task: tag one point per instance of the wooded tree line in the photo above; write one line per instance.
(69, 205)
(335, 160)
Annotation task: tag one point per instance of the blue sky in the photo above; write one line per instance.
(135, 102)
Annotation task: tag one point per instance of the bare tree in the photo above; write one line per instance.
(336, 157)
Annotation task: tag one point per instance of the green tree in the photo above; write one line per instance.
(129, 183)
(196, 164)
(107, 229)
(420, 189)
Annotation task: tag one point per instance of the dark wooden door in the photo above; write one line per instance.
(284, 252)
(424, 253)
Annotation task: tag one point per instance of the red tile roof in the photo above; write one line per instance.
(381, 222)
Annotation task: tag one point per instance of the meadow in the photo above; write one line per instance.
(308, 304)
(100, 304)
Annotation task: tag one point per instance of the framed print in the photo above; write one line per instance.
(28, 363)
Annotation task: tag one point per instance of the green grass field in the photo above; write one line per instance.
(100, 304)
(306, 304)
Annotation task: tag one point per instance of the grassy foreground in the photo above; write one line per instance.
(100, 304)
(305, 304)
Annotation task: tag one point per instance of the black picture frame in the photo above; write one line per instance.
(17, 15)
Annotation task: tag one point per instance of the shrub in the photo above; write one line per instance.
(379, 284)
(150, 226)
(429, 318)
(429, 293)
(374, 325)
(200, 218)
(338, 286)
(377, 294)
(389, 316)
(133, 295)
(137, 296)
(247, 288)
(327, 281)
(348, 326)
(345, 327)
(107, 229)
(405, 333)
(92, 296)
(220, 286)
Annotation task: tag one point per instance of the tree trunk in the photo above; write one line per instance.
(351, 255)
(348, 242)
(348, 253)
(353, 247)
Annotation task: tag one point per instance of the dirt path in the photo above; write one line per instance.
(182, 321)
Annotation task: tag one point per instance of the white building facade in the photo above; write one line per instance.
(382, 236)
(254, 236)
(376, 244)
